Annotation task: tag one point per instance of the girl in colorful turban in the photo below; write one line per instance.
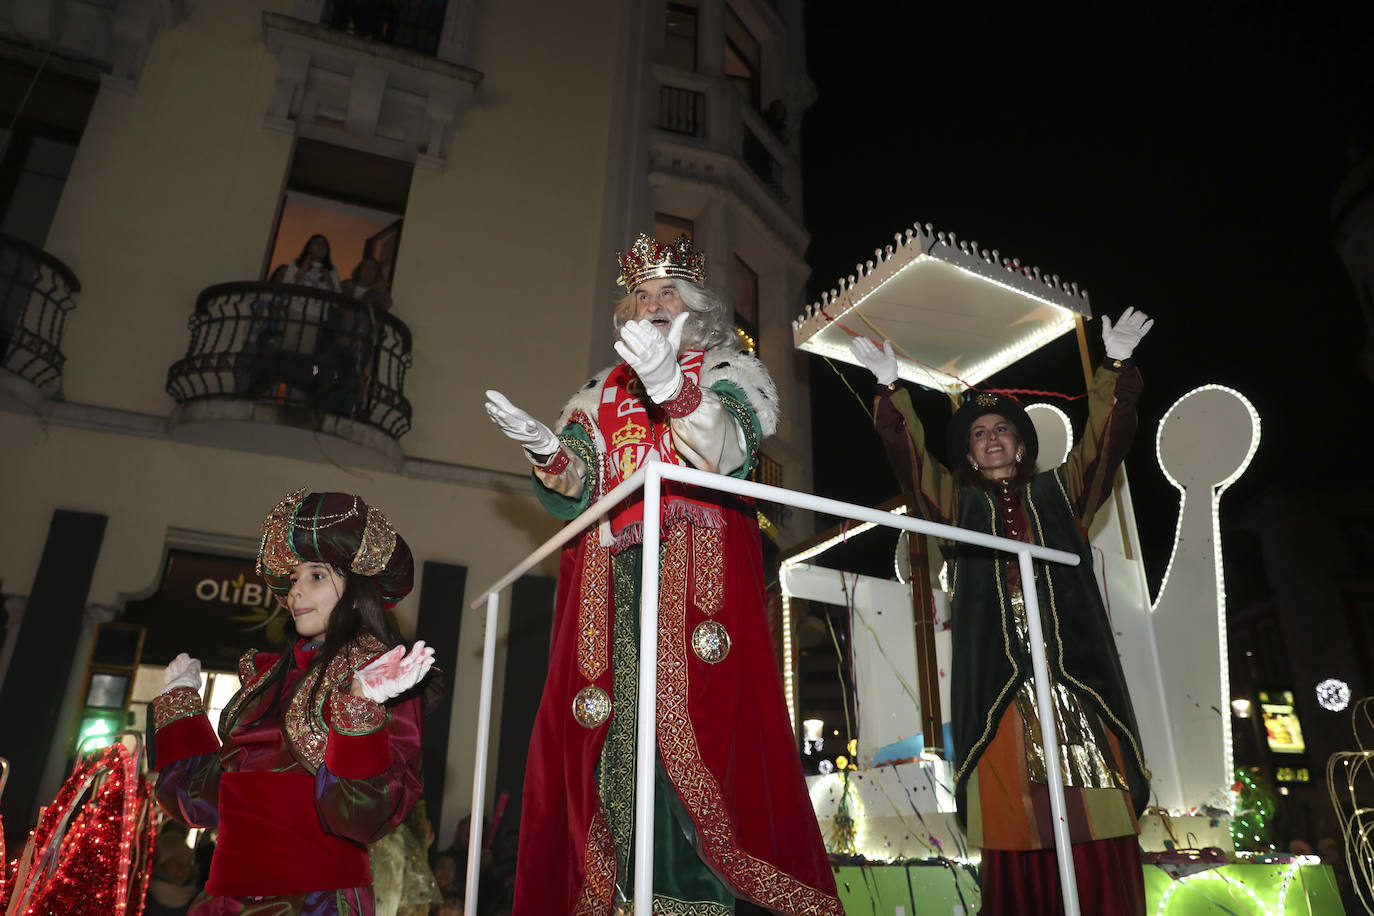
(318, 754)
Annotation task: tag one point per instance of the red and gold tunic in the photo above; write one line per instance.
(303, 782)
(733, 819)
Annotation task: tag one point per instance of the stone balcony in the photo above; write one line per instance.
(295, 363)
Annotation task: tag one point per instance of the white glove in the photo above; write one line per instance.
(391, 675)
(184, 671)
(1121, 339)
(653, 357)
(882, 363)
(537, 438)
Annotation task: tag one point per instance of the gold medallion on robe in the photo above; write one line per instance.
(591, 707)
(711, 641)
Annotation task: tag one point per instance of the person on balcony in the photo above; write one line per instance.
(367, 284)
(734, 828)
(318, 753)
(312, 267)
(992, 485)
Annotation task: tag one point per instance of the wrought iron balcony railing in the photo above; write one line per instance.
(37, 292)
(294, 346)
(682, 111)
(414, 24)
(762, 163)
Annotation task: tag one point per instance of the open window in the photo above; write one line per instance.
(680, 38)
(44, 117)
(356, 200)
(743, 60)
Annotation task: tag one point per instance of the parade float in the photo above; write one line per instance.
(956, 314)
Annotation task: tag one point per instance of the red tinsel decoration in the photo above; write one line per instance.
(102, 856)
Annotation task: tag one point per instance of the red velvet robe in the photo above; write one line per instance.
(723, 733)
(295, 810)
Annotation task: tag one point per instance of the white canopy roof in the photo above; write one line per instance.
(955, 314)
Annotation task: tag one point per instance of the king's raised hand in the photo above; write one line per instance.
(653, 356)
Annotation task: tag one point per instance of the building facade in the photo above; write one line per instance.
(167, 159)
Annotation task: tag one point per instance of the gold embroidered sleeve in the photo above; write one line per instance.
(175, 704)
(564, 496)
(350, 715)
(732, 399)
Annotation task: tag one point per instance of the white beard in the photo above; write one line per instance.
(693, 335)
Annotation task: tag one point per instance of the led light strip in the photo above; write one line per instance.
(979, 371)
(1214, 875)
(1226, 739)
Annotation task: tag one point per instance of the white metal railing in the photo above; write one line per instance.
(650, 477)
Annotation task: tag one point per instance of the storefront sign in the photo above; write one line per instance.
(1281, 726)
(213, 608)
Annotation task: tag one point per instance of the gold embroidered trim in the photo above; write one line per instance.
(581, 448)
(376, 545)
(990, 724)
(1082, 734)
(596, 895)
(175, 704)
(708, 559)
(252, 683)
(302, 721)
(246, 667)
(682, 760)
(596, 459)
(617, 777)
(747, 422)
(350, 715)
(275, 553)
(1059, 479)
(592, 636)
(671, 906)
(1059, 644)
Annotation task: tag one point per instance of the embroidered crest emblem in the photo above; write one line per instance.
(630, 432)
(983, 399)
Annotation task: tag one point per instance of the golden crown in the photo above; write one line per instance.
(649, 259)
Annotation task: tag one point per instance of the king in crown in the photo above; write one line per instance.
(685, 392)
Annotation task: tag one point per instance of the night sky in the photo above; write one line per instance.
(1185, 168)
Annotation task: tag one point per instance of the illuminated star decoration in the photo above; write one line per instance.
(1333, 694)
